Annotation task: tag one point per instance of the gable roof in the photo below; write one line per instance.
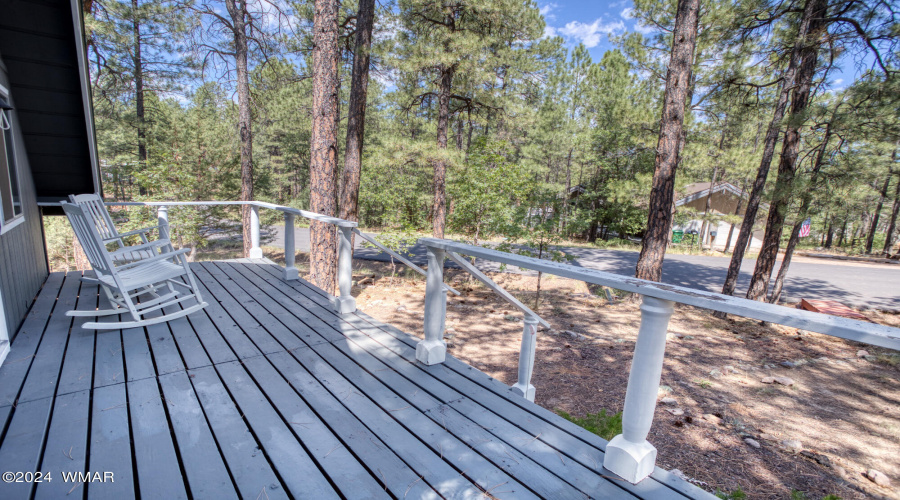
(42, 45)
(699, 190)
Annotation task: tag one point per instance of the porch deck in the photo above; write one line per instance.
(267, 393)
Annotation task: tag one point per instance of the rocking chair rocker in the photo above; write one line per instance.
(164, 279)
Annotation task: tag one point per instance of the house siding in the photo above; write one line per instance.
(23, 257)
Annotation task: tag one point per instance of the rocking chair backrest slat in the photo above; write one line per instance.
(90, 239)
(96, 209)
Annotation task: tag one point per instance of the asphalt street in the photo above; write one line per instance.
(860, 285)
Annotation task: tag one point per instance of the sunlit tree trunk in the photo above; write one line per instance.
(678, 80)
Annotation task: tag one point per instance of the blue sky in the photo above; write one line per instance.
(589, 22)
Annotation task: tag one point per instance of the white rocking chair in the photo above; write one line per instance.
(93, 206)
(165, 278)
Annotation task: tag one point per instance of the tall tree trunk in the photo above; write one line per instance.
(678, 80)
(805, 204)
(892, 225)
(439, 208)
(829, 237)
(765, 262)
(356, 112)
(140, 114)
(323, 143)
(745, 236)
(237, 9)
(870, 239)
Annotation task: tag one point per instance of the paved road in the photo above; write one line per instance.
(860, 285)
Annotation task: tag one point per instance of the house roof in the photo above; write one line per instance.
(700, 190)
(42, 46)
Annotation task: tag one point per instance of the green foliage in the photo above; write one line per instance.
(487, 190)
(601, 424)
(737, 494)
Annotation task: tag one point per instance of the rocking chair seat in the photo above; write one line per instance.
(145, 274)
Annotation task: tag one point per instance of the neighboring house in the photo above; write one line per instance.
(723, 200)
(47, 144)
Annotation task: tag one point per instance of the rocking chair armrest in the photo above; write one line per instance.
(136, 248)
(162, 256)
(137, 232)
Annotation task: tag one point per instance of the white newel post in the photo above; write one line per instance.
(629, 455)
(433, 349)
(162, 220)
(290, 272)
(523, 386)
(255, 251)
(345, 303)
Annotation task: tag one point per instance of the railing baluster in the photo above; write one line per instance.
(290, 272)
(255, 251)
(523, 386)
(433, 349)
(629, 454)
(162, 220)
(345, 303)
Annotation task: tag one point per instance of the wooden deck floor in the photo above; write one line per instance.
(269, 394)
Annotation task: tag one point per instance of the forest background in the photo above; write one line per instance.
(478, 120)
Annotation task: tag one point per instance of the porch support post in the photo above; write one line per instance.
(162, 220)
(255, 251)
(433, 349)
(523, 386)
(345, 303)
(290, 272)
(629, 455)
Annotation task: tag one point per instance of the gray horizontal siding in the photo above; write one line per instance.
(23, 259)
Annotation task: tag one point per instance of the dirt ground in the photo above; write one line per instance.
(843, 409)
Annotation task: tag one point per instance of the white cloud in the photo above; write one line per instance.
(643, 28)
(549, 31)
(590, 34)
(627, 13)
(546, 9)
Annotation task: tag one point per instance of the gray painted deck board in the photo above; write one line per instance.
(66, 448)
(298, 471)
(252, 473)
(207, 475)
(215, 406)
(111, 443)
(563, 434)
(43, 375)
(335, 459)
(159, 475)
(14, 369)
(23, 443)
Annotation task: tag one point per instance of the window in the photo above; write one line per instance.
(10, 194)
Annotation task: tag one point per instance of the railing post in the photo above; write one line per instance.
(290, 272)
(162, 220)
(630, 455)
(433, 349)
(345, 303)
(255, 251)
(523, 386)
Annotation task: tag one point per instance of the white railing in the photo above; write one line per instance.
(629, 454)
(343, 302)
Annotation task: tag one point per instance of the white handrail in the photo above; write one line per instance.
(343, 303)
(629, 454)
(836, 326)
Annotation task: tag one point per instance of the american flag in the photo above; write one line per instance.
(804, 228)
